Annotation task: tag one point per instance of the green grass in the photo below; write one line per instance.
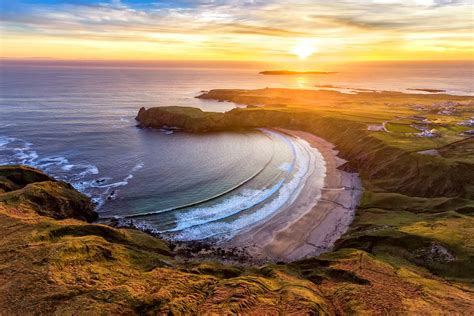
(400, 128)
(392, 226)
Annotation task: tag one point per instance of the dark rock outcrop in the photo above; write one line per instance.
(35, 191)
(16, 177)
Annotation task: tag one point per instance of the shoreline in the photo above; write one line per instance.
(316, 229)
(323, 215)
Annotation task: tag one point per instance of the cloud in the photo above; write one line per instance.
(249, 27)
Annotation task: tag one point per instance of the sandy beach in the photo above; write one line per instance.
(314, 220)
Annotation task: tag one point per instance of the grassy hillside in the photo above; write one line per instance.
(71, 267)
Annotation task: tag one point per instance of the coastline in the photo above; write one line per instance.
(306, 227)
(325, 219)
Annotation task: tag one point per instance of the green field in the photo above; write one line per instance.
(400, 128)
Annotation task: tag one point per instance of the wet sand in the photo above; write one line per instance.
(312, 223)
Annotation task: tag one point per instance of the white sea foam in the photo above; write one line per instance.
(137, 167)
(89, 170)
(116, 184)
(229, 207)
(285, 167)
(124, 182)
(49, 161)
(106, 189)
(26, 156)
(232, 205)
(67, 167)
(5, 140)
(286, 194)
(22, 152)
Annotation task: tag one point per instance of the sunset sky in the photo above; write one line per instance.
(273, 30)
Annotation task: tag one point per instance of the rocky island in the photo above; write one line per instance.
(427, 90)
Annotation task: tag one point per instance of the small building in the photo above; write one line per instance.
(375, 128)
(417, 118)
(469, 122)
(429, 133)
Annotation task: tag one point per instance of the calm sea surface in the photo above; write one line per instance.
(77, 123)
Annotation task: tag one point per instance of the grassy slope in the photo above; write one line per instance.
(70, 267)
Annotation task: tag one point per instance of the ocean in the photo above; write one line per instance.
(77, 123)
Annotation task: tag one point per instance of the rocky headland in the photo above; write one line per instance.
(392, 168)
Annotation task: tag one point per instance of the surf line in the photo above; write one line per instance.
(171, 209)
(270, 192)
(216, 229)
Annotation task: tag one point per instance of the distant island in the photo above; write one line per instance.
(428, 90)
(289, 72)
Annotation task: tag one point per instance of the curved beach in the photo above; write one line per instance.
(314, 220)
(306, 213)
(254, 203)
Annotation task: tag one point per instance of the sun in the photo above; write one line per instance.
(304, 49)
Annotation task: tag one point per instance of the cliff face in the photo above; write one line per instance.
(31, 191)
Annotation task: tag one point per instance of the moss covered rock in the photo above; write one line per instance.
(34, 191)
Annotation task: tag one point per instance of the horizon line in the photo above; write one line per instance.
(216, 61)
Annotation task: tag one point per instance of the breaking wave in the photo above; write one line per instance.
(268, 203)
(241, 208)
(82, 177)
